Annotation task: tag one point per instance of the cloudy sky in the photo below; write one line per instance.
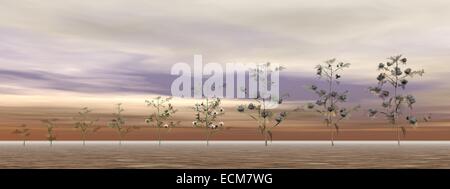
(82, 47)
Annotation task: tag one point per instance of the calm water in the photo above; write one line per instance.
(226, 155)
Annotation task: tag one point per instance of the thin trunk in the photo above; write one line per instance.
(258, 95)
(331, 132)
(265, 139)
(330, 117)
(159, 136)
(207, 122)
(158, 123)
(120, 139)
(23, 144)
(207, 139)
(396, 104)
(84, 139)
(265, 123)
(265, 133)
(207, 136)
(332, 136)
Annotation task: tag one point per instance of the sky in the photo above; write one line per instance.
(53, 49)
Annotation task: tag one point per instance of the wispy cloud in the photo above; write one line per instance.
(123, 46)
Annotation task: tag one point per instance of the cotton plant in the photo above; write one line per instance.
(85, 123)
(267, 119)
(24, 132)
(119, 124)
(207, 114)
(261, 110)
(161, 118)
(331, 100)
(50, 125)
(396, 106)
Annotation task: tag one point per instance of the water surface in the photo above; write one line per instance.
(181, 155)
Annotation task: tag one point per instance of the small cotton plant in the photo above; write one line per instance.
(161, 118)
(396, 106)
(85, 124)
(50, 125)
(119, 124)
(267, 119)
(207, 115)
(24, 132)
(260, 110)
(331, 100)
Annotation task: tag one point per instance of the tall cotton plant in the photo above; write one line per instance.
(50, 125)
(393, 78)
(85, 124)
(160, 119)
(119, 124)
(207, 115)
(260, 110)
(331, 99)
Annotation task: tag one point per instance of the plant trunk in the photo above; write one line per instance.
(330, 117)
(120, 139)
(158, 123)
(396, 105)
(159, 136)
(264, 125)
(331, 131)
(332, 136)
(23, 144)
(84, 140)
(207, 121)
(207, 139)
(265, 139)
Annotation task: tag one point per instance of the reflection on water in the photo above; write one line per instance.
(225, 155)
